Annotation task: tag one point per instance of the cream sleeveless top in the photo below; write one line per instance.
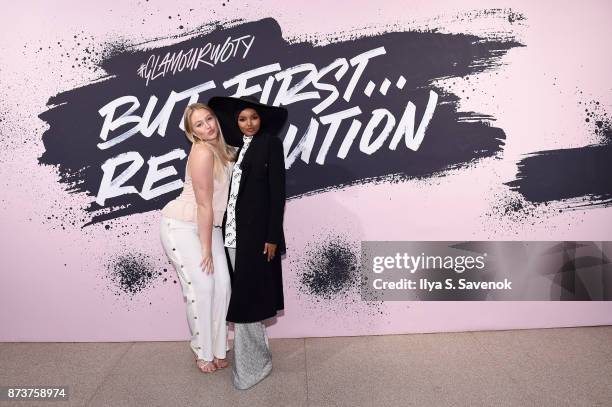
(185, 207)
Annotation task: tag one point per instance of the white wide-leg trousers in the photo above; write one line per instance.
(207, 295)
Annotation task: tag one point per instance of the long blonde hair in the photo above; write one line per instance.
(222, 153)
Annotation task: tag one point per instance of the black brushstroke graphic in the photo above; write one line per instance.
(130, 274)
(579, 174)
(330, 269)
(452, 138)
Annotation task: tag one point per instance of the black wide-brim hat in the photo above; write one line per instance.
(227, 108)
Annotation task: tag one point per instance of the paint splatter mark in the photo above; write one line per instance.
(130, 274)
(514, 215)
(514, 17)
(513, 206)
(327, 279)
(331, 269)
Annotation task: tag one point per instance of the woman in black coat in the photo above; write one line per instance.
(254, 229)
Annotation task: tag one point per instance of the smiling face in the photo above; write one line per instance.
(249, 122)
(204, 125)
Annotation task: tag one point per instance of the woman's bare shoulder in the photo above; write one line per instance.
(201, 156)
(201, 150)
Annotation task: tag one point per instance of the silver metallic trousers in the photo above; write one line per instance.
(252, 356)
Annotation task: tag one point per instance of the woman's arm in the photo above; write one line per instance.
(276, 188)
(201, 170)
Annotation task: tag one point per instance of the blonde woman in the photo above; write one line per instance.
(192, 238)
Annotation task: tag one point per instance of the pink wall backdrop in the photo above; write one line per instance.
(57, 284)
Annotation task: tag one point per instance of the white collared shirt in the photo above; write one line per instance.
(230, 223)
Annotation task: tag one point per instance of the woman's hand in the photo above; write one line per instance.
(270, 250)
(207, 261)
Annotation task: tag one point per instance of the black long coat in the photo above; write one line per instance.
(257, 285)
